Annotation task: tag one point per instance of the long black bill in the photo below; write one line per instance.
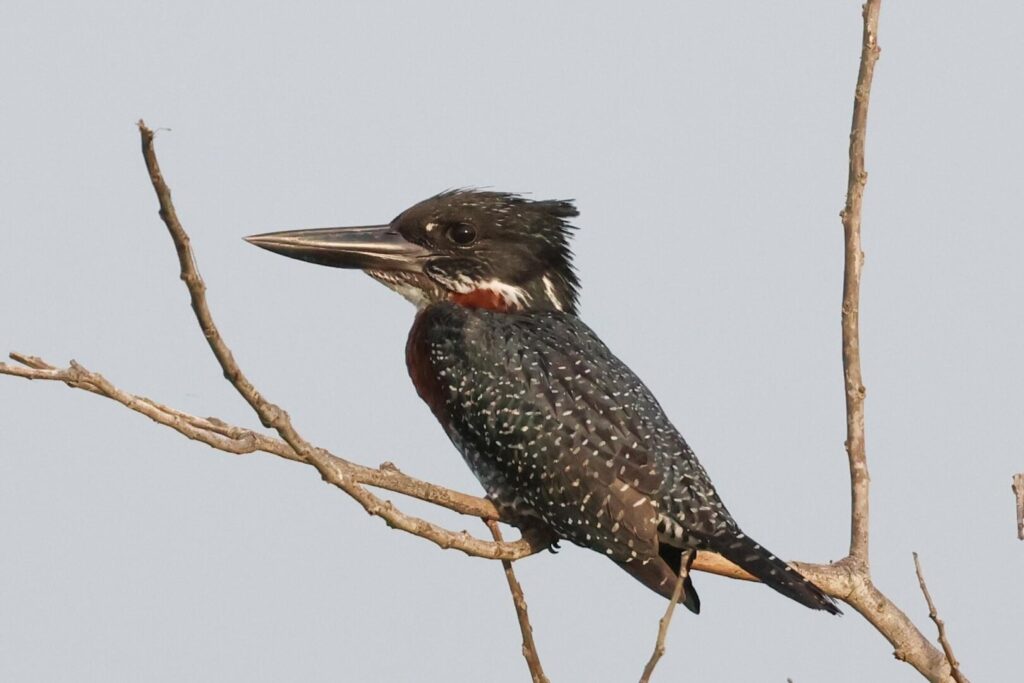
(374, 247)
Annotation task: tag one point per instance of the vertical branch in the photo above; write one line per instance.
(851, 216)
(947, 649)
(1018, 491)
(519, 600)
(663, 624)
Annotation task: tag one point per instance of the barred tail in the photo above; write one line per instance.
(749, 555)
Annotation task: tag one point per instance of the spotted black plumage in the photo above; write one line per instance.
(556, 428)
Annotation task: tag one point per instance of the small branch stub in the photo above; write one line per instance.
(1018, 491)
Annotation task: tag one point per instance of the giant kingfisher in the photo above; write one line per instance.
(556, 428)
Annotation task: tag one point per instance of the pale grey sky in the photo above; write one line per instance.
(706, 146)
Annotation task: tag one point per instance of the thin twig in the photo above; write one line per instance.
(270, 415)
(954, 665)
(1018, 491)
(665, 621)
(854, 260)
(519, 600)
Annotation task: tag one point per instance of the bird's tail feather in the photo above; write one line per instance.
(773, 572)
(661, 578)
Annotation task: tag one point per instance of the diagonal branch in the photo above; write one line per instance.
(241, 441)
(270, 414)
(231, 439)
(519, 600)
(954, 665)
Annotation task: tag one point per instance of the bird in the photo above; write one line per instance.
(559, 432)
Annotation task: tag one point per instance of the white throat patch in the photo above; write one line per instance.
(516, 297)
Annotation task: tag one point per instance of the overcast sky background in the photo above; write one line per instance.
(706, 147)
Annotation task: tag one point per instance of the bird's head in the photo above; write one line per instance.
(479, 249)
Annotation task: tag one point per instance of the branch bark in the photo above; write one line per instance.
(910, 644)
(522, 614)
(853, 263)
(237, 440)
(666, 621)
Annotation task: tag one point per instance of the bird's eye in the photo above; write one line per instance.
(462, 234)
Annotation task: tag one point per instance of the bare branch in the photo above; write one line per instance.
(665, 621)
(839, 580)
(230, 439)
(909, 643)
(954, 665)
(519, 600)
(854, 260)
(270, 414)
(239, 440)
(1018, 491)
(244, 441)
